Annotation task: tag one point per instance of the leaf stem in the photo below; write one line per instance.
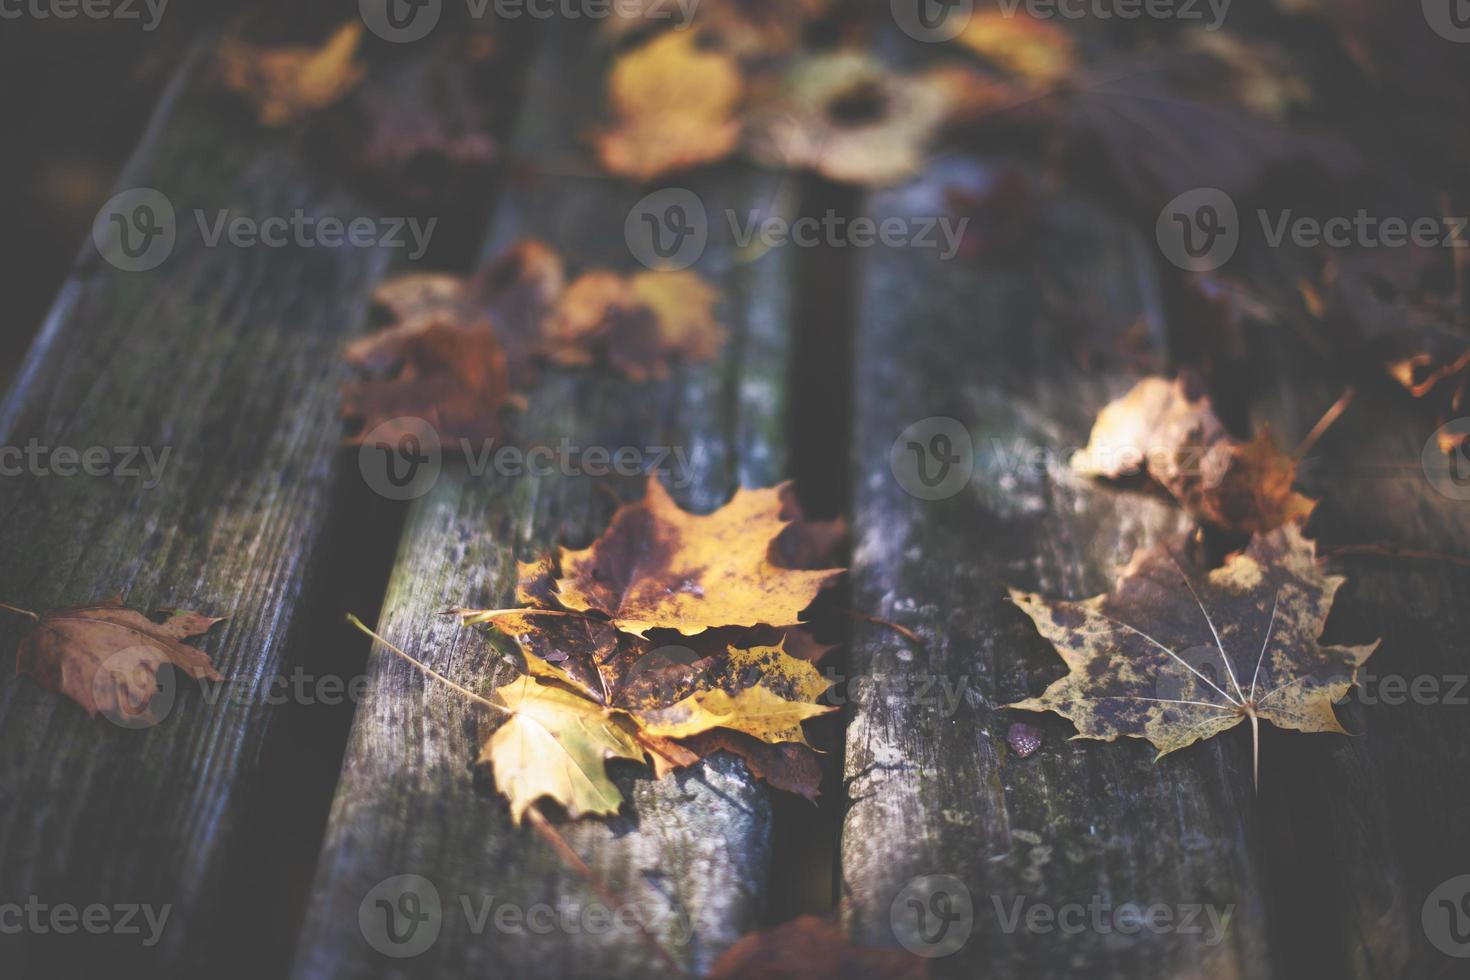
(903, 631)
(17, 609)
(470, 617)
(1325, 422)
(1250, 711)
(574, 861)
(427, 670)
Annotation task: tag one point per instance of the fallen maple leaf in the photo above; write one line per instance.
(1164, 428)
(1174, 660)
(811, 948)
(756, 710)
(285, 84)
(847, 117)
(657, 566)
(556, 743)
(452, 377)
(105, 657)
(675, 107)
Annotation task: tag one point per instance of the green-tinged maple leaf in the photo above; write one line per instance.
(556, 743)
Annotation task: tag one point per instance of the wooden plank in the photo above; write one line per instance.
(228, 359)
(1380, 821)
(690, 853)
(1081, 829)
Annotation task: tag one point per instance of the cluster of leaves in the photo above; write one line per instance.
(461, 348)
(1150, 660)
(671, 636)
(745, 82)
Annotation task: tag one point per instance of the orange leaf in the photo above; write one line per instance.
(105, 657)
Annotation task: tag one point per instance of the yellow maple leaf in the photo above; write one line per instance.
(659, 567)
(757, 711)
(675, 107)
(556, 743)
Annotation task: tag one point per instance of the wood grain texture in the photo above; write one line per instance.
(690, 852)
(227, 358)
(935, 791)
(1381, 820)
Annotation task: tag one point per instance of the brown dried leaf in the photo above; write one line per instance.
(287, 83)
(1175, 656)
(787, 766)
(452, 377)
(1163, 428)
(513, 294)
(105, 657)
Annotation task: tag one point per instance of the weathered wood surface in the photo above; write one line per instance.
(690, 853)
(936, 790)
(1380, 821)
(227, 358)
